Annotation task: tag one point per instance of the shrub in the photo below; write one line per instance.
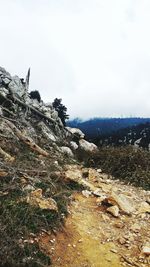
(35, 95)
(125, 163)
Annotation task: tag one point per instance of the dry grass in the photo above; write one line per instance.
(125, 163)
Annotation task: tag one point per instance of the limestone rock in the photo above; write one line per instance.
(146, 249)
(122, 202)
(54, 115)
(3, 72)
(74, 175)
(73, 145)
(86, 193)
(87, 147)
(47, 132)
(6, 80)
(67, 151)
(98, 192)
(76, 131)
(35, 198)
(114, 210)
(16, 86)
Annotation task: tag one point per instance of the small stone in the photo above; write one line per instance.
(97, 192)
(113, 250)
(121, 240)
(119, 225)
(86, 193)
(35, 198)
(99, 170)
(114, 210)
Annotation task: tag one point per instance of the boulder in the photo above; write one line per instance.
(76, 132)
(73, 174)
(122, 202)
(16, 86)
(36, 199)
(67, 151)
(87, 147)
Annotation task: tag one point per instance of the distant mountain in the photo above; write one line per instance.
(98, 127)
(138, 136)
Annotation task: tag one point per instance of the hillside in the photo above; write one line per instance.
(60, 204)
(139, 136)
(93, 128)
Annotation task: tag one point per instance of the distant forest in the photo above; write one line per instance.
(98, 127)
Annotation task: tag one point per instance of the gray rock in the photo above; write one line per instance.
(4, 72)
(3, 91)
(86, 146)
(6, 80)
(74, 145)
(16, 86)
(67, 151)
(47, 132)
(49, 105)
(54, 115)
(76, 131)
(35, 103)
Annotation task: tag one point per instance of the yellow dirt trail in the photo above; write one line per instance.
(81, 244)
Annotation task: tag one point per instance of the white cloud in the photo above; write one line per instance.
(94, 54)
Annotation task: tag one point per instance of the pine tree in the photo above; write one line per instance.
(61, 109)
(35, 95)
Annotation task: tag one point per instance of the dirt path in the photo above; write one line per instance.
(94, 238)
(81, 244)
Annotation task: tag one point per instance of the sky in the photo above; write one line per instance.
(94, 54)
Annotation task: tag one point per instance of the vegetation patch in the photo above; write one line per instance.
(126, 163)
(21, 221)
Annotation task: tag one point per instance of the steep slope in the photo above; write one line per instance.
(41, 184)
(34, 146)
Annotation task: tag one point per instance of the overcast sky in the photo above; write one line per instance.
(94, 54)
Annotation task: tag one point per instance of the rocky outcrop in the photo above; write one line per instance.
(37, 118)
(77, 132)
